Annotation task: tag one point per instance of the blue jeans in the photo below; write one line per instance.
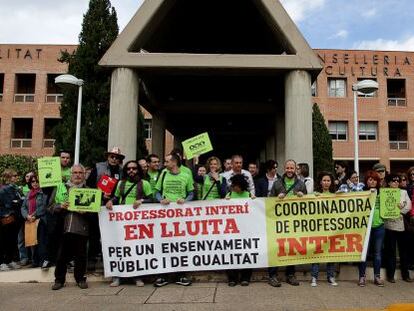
(376, 240)
(330, 270)
(20, 244)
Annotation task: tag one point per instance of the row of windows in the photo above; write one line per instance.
(337, 87)
(397, 132)
(25, 85)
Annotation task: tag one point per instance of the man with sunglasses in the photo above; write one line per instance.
(382, 171)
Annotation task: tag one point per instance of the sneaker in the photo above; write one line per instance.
(82, 285)
(244, 283)
(45, 265)
(14, 265)
(183, 281)
(378, 281)
(57, 286)
(231, 283)
(115, 282)
(139, 282)
(362, 282)
(160, 282)
(313, 282)
(291, 279)
(273, 281)
(4, 267)
(332, 281)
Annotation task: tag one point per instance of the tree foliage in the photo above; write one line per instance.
(322, 143)
(22, 164)
(99, 30)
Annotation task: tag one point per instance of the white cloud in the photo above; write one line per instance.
(298, 9)
(341, 34)
(406, 44)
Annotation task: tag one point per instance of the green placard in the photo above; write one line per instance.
(390, 203)
(197, 145)
(85, 200)
(50, 171)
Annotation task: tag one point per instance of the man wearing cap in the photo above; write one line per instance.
(381, 170)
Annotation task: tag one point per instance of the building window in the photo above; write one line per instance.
(373, 94)
(368, 130)
(314, 89)
(396, 92)
(53, 92)
(336, 87)
(148, 128)
(48, 140)
(21, 133)
(1, 86)
(398, 135)
(25, 88)
(338, 130)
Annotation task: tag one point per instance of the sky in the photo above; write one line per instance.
(333, 24)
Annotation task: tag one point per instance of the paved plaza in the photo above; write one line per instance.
(205, 296)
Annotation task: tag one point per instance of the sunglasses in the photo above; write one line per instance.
(114, 157)
(395, 180)
(380, 171)
(132, 168)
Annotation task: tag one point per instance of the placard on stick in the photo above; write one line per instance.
(197, 145)
(50, 171)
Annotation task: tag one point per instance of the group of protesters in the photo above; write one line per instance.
(71, 240)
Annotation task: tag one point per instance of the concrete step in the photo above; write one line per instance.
(345, 272)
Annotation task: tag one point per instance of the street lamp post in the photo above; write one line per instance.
(365, 87)
(69, 79)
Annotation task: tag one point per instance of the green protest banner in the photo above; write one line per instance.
(390, 203)
(85, 200)
(197, 145)
(326, 228)
(50, 172)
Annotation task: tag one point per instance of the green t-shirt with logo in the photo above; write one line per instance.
(132, 195)
(214, 193)
(376, 219)
(66, 174)
(289, 182)
(175, 186)
(153, 177)
(239, 195)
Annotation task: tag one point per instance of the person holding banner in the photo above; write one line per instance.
(237, 165)
(265, 184)
(394, 235)
(132, 190)
(212, 185)
(174, 185)
(34, 209)
(73, 244)
(376, 238)
(325, 184)
(288, 185)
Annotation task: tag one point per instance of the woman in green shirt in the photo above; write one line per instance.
(212, 185)
(376, 239)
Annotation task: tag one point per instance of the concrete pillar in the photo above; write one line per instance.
(158, 134)
(123, 112)
(270, 148)
(298, 117)
(177, 142)
(280, 138)
(263, 155)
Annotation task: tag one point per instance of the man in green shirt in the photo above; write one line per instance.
(288, 185)
(153, 171)
(174, 185)
(65, 165)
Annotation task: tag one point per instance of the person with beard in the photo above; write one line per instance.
(287, 186)
(132, 189)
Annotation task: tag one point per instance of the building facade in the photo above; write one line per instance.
(385, 117)
(30, 101)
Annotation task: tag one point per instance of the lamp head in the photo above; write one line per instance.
(68, 79)
(365, 86)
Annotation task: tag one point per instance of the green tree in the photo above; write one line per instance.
(322, 143)
(99, 30)
(22, 164)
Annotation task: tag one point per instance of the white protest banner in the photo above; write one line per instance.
(200, 235)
